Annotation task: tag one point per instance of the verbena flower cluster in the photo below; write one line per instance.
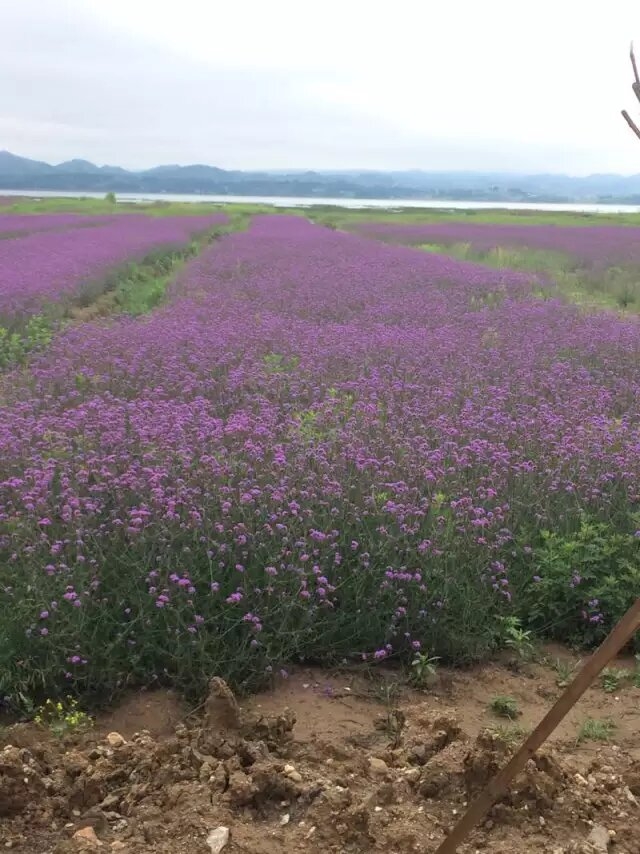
(47, 265)
(322, 447)
(13, 224)
(597, 246)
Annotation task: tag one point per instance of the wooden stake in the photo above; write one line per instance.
(611, 646)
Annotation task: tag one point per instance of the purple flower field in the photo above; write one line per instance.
(322, 447)
(46, 266)
(27, 223)
(596, 246)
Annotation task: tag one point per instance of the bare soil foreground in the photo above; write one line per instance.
(327, 762)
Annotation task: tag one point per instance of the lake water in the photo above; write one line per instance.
(296, 202)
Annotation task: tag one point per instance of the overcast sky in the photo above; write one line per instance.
(492, 85)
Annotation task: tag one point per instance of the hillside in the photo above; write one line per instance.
(21, 173)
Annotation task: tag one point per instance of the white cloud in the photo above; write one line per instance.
(464, 85)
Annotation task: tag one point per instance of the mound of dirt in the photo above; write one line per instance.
(238, 780)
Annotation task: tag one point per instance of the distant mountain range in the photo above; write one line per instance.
(21, 173)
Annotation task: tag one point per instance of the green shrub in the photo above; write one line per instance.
(15, 345)
(578, 585)
(514, 637)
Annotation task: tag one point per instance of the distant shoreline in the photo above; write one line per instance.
(353, 203)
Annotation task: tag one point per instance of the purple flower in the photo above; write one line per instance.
(353, 426)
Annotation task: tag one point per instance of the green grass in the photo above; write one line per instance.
(511, 734)
(329, 215)
(505, 707)
(102, 207)
(511, 257)
(565, 671)
(142, 287)
(134, 289)
(338, 217)
(616, 288)
(614, 678)
(138, 288)
(594, 729)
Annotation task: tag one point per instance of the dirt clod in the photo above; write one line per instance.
(378, 767)
(340, 784)
(597, 842)
(21, 779)
(632, 778)
(86, 839)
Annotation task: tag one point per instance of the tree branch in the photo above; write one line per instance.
(636, 83)
(632, 57)
(634, 127)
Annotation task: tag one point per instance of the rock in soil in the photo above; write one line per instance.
(217, 839)
(598, 839)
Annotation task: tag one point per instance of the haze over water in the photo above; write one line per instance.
(299, 202)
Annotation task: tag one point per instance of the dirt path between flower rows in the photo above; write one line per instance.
(326, 762)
